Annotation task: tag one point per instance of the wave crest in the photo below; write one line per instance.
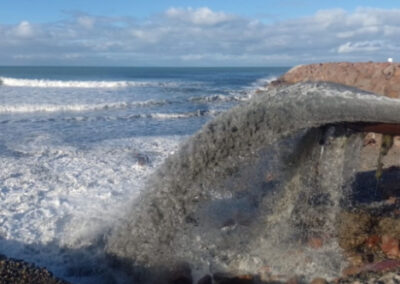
(42, 83)
(29, 108)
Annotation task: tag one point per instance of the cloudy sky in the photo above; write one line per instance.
(197, 32)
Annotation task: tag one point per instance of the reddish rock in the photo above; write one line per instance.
(390, 246)
(351, 270)
(295, 280)
(372, 241)
(383, 266)
(319, 281)
(315, 242)
(380, 78)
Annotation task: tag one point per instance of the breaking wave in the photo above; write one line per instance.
(29, 108)
(158, 116)
(236, 96)
(215, 98)
(42, 83)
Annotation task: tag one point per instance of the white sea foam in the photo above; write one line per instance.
(28, 108)
(58, 196)
(259, 85)
(215, 98)
(42, 83)
(157, 115)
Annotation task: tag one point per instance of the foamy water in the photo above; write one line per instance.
(41, 83)
(76, 146)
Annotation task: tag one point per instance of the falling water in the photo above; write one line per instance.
(254, 186)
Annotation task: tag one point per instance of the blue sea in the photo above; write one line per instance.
(77, 144)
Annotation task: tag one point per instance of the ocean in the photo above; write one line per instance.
(77, 144)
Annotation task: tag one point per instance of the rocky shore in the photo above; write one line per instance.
(14, 271)
(380, 78)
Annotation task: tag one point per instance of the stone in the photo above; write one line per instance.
(353, 229)
(315, 242)
(228, 278)
(207, 279)
(180, 274)
(372, 241)
(295, 280)
(351, 270)
(319, 280)
(18, 271)
(380, 78)
(390, 246)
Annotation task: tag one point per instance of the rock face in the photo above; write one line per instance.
(379, 78)
(237, 194)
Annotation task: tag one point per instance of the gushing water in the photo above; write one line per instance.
(253, 186)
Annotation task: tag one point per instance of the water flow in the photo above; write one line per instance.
(302, 235)
(254, 186)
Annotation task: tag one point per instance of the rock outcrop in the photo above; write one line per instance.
(379, 78)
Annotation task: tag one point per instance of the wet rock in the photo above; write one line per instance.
(351, 270)
(383, 266)
(181, 274)
(319, 281)
(353, 229)
(205, 280)
(142, 159)
(315, 242)
(227, 278)
(296, 280)
(20, 272)
(389, 226)
(355, 260)
(390, 246)
(372, 242)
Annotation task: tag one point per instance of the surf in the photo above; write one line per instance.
(43, 83)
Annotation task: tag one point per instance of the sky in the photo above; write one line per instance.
(197, 32)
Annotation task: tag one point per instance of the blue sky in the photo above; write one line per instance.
(197, 32)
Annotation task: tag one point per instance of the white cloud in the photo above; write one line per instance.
(363, 46)
(202, 36)
(24, 30)
(200, 16)
(86, 22)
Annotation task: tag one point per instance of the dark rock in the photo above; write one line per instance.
(227, 278)
(14, 271)
(181, 274)
(205, 280)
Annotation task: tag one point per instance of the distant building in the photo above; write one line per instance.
(390, 59)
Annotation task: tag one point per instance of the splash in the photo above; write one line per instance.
(254, 185)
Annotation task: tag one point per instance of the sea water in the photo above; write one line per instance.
(77, 143)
